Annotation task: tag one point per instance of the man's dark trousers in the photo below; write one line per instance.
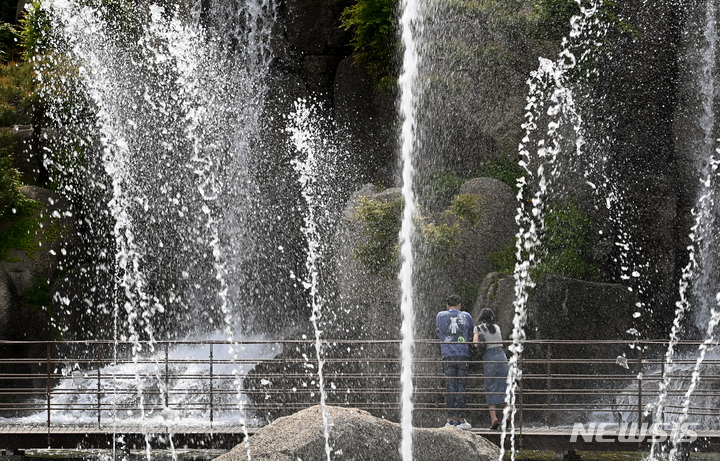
(456, 372)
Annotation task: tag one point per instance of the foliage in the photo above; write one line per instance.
(502, 168)
(20, 235)
(443, 183)
(17, 223)
(36, 30)
(566, 248)
(374, 37)
(441, 241)
(8, 42)
(38, 295)
(503, 260)
(467, 207)
(554, 17)
(382, 220)
(16, 93)
(12, 201)
(379, 254)
(468, 292)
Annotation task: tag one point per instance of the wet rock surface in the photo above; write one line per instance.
(356, 435)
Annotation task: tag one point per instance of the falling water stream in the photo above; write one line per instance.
(551, 102)
(313, 165)
(410, 24)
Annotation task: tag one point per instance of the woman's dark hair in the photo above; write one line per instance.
(487, 319)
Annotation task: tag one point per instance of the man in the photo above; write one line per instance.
(455, 329)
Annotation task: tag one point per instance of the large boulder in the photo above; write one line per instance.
(356, 435)
(562, 308)
(471, 262)
(497, 292)
(494, 229)
(565, 309)
(8, 302)
(365, 295)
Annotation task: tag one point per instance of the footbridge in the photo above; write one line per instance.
(572, 395)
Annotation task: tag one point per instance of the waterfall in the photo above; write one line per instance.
(699, 276)
(175, 111)
(171, 98)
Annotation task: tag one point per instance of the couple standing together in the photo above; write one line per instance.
(454, 328)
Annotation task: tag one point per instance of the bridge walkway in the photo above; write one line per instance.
(70, 394)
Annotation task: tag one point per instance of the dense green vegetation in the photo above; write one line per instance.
(440, 236)
(502, 168)
(374, 36)
(565, 248)
(16, 93)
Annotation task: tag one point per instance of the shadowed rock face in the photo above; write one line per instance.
(356, 435)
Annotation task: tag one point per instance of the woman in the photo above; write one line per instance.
(495, 363)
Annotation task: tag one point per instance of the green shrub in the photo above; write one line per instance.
(554, 17)
(10, 196)
(374, 36)
(467, 207)
(35, 31)
(9, 46)
(443, 184)
(16, 93)
(440, 241)
(38, 295)
(38, 298)
(566, 247)
(502, 168)
(379, 254)
(17, 224)
(503, 260)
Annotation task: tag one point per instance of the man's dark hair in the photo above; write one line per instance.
(453, 300)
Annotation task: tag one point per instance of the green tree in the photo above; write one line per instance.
(374, 36)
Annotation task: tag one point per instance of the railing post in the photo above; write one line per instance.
(662, 374)
(99, 386)
(211, 384)
(548, 414)
(639, 377)
(167, 375)
(49, 386)
(284, 380)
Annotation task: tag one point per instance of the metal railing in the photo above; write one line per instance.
(205, 382)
